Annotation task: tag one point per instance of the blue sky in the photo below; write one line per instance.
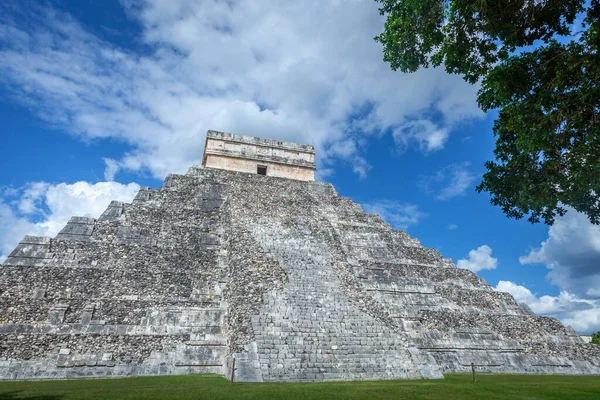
(100, 97)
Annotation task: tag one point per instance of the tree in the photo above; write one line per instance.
(542, 77)
(596, 338)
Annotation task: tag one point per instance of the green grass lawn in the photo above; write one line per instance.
(455, 386)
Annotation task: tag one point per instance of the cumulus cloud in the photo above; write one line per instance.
(28, 203)
(112, 167)
(582, 314)
(399, 215)
(479, 259)
(43, 209)
(572, 254)
(428, 135)
(451, 181)
(305, 71)
(452, 226)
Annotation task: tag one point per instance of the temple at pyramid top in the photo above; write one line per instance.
(259, 156)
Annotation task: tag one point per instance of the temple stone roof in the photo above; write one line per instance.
(257, 155)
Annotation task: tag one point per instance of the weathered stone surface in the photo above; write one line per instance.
(78, 228)
(294, 281)
(243, 153)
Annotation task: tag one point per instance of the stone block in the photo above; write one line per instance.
(296, 282)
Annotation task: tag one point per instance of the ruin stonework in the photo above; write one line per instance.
(249, 154)
(294, 281)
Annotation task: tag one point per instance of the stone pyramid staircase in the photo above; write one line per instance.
(449, 313)
(329, 246)
(311, 331)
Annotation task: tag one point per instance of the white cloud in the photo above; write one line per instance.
(479, 259)
(452, 226)
(451, 181)
(520, 293)
(399, 215)
(348, 149)
(572, 254)
(321, 174)
(28, 203)
(428, 135)
(361, 167)
(583, 315)
(112, 167)
(301, 71)
(584, 321)
(43, 209)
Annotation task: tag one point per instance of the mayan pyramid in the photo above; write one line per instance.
(247, 257)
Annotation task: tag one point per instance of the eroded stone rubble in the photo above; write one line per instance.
(294, 281)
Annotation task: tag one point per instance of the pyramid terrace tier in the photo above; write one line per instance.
(292, 280)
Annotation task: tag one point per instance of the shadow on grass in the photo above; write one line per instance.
(17, 395)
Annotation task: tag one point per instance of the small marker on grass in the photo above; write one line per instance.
(232, 370)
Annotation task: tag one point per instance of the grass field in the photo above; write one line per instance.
(455, 386)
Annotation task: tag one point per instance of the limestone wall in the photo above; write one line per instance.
(250, 166)
(294, 281)
(245, 153)
(135, 292)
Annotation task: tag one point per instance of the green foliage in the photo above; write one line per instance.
(543, 80)
(596, 338)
